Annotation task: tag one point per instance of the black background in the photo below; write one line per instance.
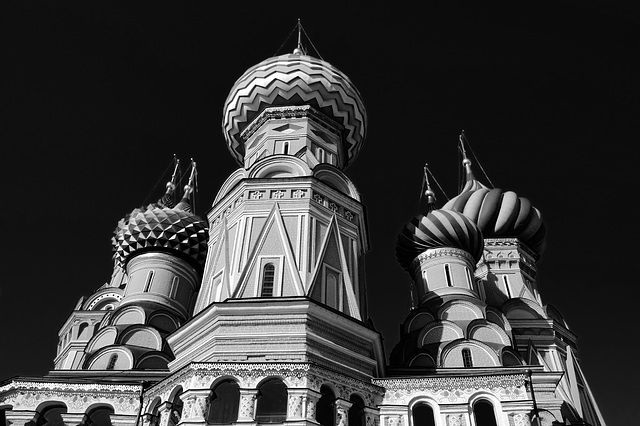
(97, 97)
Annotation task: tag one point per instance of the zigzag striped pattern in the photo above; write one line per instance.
(291, 80)
(439, 228)
(501, 213)
(161, 227)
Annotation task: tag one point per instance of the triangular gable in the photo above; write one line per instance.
(591, 409)
(273, 234)
(332, 246)
(220, 263)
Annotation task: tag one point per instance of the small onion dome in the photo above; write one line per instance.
(439, 228)
(294, 80)
(161, 227)
(501, 213)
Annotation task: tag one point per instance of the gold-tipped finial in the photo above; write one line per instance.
(167, 199)
(431, 196)
(466, 163)
(188, 202)
(299, 50)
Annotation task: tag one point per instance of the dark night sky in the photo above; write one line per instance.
(97, 97)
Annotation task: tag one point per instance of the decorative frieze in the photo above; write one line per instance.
(453, 389)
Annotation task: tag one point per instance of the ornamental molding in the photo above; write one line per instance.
(443, 252)
(199, 376)
(27, 396)
(446, 390)
(289, 112)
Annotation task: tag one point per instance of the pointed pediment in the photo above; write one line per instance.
(331, 282)
(272, 246)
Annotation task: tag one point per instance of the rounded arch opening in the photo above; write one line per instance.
(223, 402)
(422, 414)
(483, 413)
(356, 412)
(271, 406)
(326, 407)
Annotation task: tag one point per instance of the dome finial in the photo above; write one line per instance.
(167, 199)
(299, 50)
(188, 202)
(466, 163)
(431, 196)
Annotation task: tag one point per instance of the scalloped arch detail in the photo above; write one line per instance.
(279, 165)
(439, 331)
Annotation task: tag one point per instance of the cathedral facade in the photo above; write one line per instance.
(257, 314)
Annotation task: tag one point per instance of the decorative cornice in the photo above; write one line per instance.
(303, 111)
(69, 387)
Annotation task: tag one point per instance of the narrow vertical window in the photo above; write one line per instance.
(505, 279)
(174, 287)
(331, 295)
(467, 360)
(469, 280)
(447, 274)
(285, 148)
(147, 285)
(268, 277)
(112, 362)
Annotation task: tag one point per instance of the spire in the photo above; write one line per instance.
(187, 203)
(299, 50)
(167, 199)
(431, 196)
(466, 163)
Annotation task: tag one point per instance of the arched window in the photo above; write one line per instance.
(467, 360)
(100, 416)
(268, 277)
(356, 412)
(326, 408)
(272, 402)
(175, 414)
(224, 400)
(484, 414)
(423, 415)
(285, 149)
(81, 329)
(112, 362)
(52, 415)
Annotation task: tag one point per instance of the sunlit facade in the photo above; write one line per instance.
(257, 314)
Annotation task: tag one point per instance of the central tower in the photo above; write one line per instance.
(282, 302)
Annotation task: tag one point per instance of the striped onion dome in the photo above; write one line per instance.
(438, 228)
(161, 227)
(501, 213)
(293, 80)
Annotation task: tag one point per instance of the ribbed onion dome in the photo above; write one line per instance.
(292, 80)
(161, 227)
(436, 229)
(501, 213)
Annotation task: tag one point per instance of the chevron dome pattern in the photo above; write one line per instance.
(161, 227)
(292, 80)
(501, 213)
(439, 228)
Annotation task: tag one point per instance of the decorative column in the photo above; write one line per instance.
(122, 420)
(247, 406)
(371, 417)
(19, 418)
(194, 409)
(72, 419)
(309, 402)
(342, 411)
(295, 405)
